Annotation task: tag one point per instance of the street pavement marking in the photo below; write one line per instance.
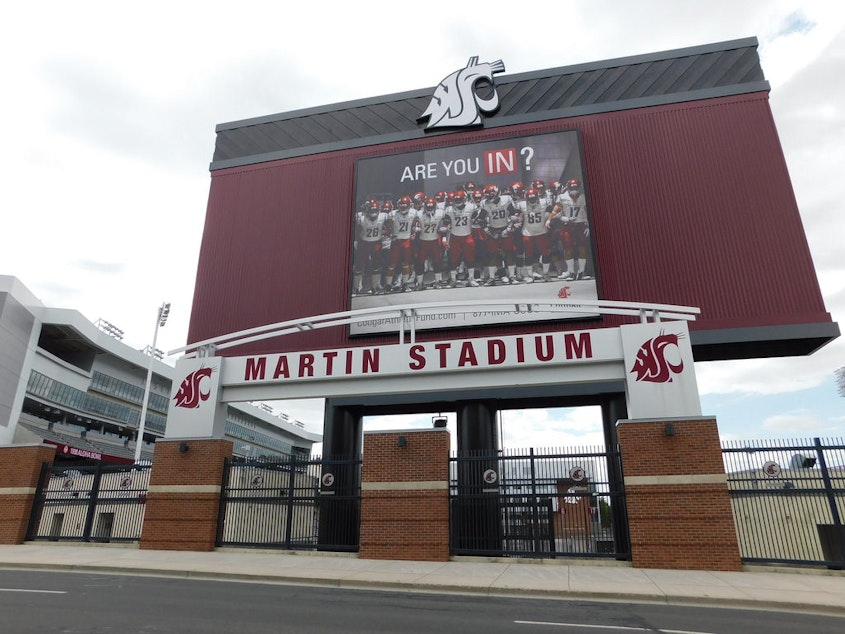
(27, 590)
(609, 627)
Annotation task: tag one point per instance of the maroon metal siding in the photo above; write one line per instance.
(691, 204)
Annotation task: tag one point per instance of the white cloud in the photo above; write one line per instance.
(111, 110)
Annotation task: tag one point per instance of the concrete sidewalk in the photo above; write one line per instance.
(818, 590)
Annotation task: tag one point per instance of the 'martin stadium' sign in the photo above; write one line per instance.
(655, 361)
(420, 357)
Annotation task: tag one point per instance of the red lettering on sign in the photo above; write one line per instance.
(467, 355)
(549, 352)
(349, 362)
(370, 361)
(443, 347)
(579, 347)
(282, 368)
(520, 350)
(495, 351)
(416, 353)
(255, 368)
(306, 365)
(329, 357)
(500, 161)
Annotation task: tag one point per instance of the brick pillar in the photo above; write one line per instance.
(184, 494)
(20, 469)
(405, 495)
(679, 508)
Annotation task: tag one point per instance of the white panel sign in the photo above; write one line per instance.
(196, 410)
(659, 371)
(486, 353)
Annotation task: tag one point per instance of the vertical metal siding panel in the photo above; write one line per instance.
(691, 204)
(694, 206)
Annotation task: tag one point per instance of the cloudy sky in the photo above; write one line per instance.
(109, 113)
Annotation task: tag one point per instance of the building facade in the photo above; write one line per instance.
(73, 385)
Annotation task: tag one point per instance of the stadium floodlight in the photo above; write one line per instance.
(161, 319)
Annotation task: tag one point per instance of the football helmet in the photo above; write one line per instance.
(491, 192)
(532, 196)
(470, 186)
(556, 187)
(418, 200)
(573, 186)
(387, 206)
(517, 189)
(540, 186)
(371, 207)
(404, 204)
(440, 197)
(459, 199)
(430, 205)
(477, 195)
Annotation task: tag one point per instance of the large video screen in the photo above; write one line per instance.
(505, 219)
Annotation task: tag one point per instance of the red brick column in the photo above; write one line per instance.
(184, 494)
(405, 495)
(20, 468)
(679, 508)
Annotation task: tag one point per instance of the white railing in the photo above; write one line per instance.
(407, 314)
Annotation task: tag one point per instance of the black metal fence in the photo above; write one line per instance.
(788, 499)
(103, 503)
(541, 503)
(293, 504)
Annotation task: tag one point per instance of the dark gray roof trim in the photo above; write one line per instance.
(701, 72)
(761, 342)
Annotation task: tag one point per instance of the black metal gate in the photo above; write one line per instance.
(538, 503)
(103, 503)
(788, 499)
(293, 504)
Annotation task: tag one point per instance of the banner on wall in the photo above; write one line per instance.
(500, 219)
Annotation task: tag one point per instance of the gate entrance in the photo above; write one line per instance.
(102, 503)
(541, 503)
(292, 504)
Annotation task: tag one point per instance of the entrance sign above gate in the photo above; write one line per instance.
(654, 359)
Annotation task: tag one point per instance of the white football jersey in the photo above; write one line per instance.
(403, 223)
(497, 212)
(534, 216)
(371, 227)
(461, 219)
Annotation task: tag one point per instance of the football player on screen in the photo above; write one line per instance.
(535, 239)
(369, 232)
(399, 272)
(570, 214)
(458, 237)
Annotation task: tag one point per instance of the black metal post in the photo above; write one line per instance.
(478, 514)
(613, 410)
(340, 503)
(93, 495)
(838, 536)
(221, 503)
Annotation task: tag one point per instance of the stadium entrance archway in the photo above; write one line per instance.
(643, 370)
(527, 515)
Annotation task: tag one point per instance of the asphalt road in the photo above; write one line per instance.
(68, 602)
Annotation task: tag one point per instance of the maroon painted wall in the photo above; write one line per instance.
(691, 204)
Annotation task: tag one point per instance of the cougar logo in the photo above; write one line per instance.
(651, 363)
(454, 102)
(190, 394)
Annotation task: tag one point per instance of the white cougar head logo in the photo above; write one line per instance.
(454, 102)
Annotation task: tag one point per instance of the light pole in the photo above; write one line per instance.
(163, 312)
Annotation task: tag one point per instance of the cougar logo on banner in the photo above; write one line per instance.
(651, 363)
(190, 394)
(455, 103)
